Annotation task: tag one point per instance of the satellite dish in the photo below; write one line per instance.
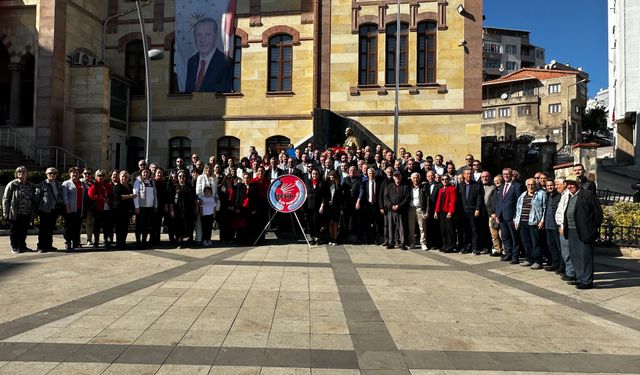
(504, 96)
(501, 68)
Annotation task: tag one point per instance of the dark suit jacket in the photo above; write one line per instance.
(588, 216)
(315, 197)
(475, 198)
(294, 171)
(217, 78)
(506, 206)
(365, 192)
(397, 195)
(267, 174)
(432, 196)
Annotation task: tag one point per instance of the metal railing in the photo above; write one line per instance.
(617, 235)
(45, 156)
(608, 197)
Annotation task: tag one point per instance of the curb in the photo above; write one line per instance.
(621, 174)
(630, 252)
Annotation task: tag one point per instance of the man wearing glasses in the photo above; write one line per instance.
(468, 159)
(87, 180)
(142, 165)
(506, 201)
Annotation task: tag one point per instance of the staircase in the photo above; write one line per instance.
(11, 159)
(17, 149)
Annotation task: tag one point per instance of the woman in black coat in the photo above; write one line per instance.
(183, 210)
(245, 208)
(315, 204)
(122, 209)
(335, 202)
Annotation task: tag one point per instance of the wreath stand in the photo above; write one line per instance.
(295, 214)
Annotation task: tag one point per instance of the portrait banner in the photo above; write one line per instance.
(203, 59)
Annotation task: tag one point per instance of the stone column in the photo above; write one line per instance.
(15, 117)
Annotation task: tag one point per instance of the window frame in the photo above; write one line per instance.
(423, 70)
(489, 113)
(231, 150)
(134, 70)
(183, 150)
(524, 110)
(553, 106)
(555, 88)
(281, 42)
(390, 45)
(504, 112)
(368, 57)
(237, 64)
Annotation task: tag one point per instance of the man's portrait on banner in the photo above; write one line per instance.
(203, 57)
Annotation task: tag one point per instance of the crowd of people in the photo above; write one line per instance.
(354, 195)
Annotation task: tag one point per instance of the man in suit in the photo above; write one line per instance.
(369, 206)
(396, 202)
(208, 70)
(506, 200)
(273, 171)
(470, 193)
(434, 237)
(352, 194)
(290, 168)
(582, 218)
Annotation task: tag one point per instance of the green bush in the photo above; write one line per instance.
(622, 214)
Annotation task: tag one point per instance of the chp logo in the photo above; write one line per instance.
(287, 193)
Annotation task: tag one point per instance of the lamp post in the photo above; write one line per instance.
(153, 55)
(397, 78)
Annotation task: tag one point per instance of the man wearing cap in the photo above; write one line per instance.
(582, 218)
(396, 201)
(48, 197)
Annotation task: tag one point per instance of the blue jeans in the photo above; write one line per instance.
(531, 242)
(553, 243)
(582, 257)
(508, 234)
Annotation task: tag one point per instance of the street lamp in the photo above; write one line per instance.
(397, 72)
(148, 55)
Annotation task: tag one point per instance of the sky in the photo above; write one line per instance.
(570, 31)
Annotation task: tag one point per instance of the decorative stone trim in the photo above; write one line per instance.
(130, 37)
(280, 29)
(442, 14)
(244, 37)
(362, 20)
(255, 20)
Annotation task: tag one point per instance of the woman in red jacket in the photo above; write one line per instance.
(102, 196)
(445, 211)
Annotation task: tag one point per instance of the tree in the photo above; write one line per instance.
(595, 119)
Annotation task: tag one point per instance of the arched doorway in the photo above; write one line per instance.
(276, 143)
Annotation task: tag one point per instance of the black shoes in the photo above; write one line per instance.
(505, 258)
(584, 286)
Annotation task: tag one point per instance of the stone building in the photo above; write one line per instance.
(88, 74)
(507, 50)
(624, 78)
(542, 103)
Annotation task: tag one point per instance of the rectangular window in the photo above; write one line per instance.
(492, 47)
(489, 113)
(368, 51)
(555, 108)
(504, 112)
(540, 54)
(512, 65)
(528, 91)
(119, 107)
(524, 110)
(491, 63)
(554, 88)
(427, 52)
(512, 49)
(390, 76)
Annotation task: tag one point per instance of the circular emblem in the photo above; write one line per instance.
(287, 193)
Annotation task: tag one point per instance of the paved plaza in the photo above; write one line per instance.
(286, 309)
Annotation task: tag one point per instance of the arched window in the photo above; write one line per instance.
(368, 55)
(135, 152)
(277, 143)
(179, 147)
(5, 84)
(280, 63)
(229, 146)
(390, 76)
(173, 77)
(134, 66)
(27, 89)
(427, 43)
(237, 63)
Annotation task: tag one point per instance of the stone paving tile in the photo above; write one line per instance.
(66, 368)
(128, 369)
(183, 370)
(27, 368)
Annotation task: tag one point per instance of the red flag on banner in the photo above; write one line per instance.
(229, 27)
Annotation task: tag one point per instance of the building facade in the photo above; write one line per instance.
(624, 78)
(507, 50)
(88, 75)
(543, 103)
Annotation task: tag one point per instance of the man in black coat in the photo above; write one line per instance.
(208, 70)
(386, 180)
(352, 194)
(434, 236)
(582, 218)
(506, 200)
(369, 206)
(396, 202)
(471, 196)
